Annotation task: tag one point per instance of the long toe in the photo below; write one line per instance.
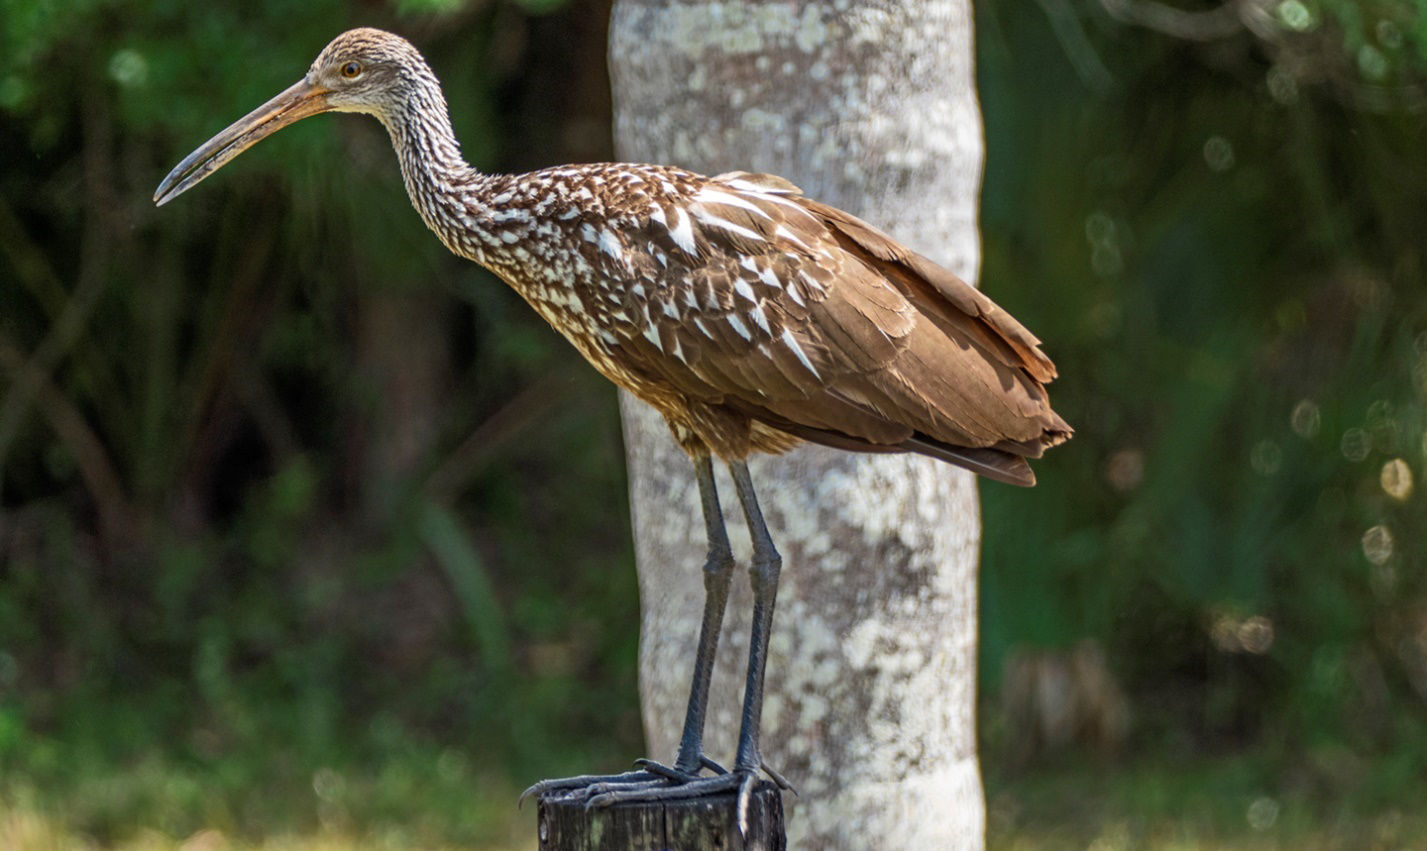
(745, 796)
(567, 786)
(698, 788)
(778, 780)
(651, 781)
(743, 782)
(672, 773)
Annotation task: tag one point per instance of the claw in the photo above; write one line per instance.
(778, 780)
(745, 794)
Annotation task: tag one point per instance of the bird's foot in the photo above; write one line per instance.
(697, 787)
(652, 782)
(678, 776)
(647, 774)
(741, 780)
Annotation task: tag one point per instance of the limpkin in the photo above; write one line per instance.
(751, 317)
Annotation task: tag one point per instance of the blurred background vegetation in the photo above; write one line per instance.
(313, 535)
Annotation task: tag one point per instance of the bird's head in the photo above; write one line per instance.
(369, 71)
(362, 70)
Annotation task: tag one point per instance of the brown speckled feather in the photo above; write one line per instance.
(832, 332)
(751, 317)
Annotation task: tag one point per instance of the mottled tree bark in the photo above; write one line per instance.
(870, 106)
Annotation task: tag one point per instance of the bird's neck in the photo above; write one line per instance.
(443, 187)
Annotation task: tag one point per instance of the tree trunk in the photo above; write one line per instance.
(871, 680)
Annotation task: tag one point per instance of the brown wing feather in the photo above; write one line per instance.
(810, 321)
(982, 334)
(915, 273)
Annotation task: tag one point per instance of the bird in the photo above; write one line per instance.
(753, 318)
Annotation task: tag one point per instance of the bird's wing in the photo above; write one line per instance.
(977, 352)
(727, 311)
(924, 280)
(772, 305)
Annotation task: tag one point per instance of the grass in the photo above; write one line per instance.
(32, 831)
(29, 831)
(156, 808)
(1238, 801)
(422, 797)
(409, 794)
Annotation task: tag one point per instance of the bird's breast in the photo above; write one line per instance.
(566, 289)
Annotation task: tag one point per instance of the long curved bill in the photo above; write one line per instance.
(295, 103)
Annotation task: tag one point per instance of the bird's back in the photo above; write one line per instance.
(752, 317)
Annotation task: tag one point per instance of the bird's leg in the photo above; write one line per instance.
(718, 572)
(763, 573)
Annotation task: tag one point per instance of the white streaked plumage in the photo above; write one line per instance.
(750, 316)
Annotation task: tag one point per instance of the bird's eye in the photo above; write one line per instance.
(351, 70)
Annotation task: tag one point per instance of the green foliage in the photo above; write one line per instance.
(1227, 268)
(224, 573)
(441, 531)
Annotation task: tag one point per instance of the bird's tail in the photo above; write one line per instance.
(991, 463)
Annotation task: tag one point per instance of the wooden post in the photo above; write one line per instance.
(696, 824)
